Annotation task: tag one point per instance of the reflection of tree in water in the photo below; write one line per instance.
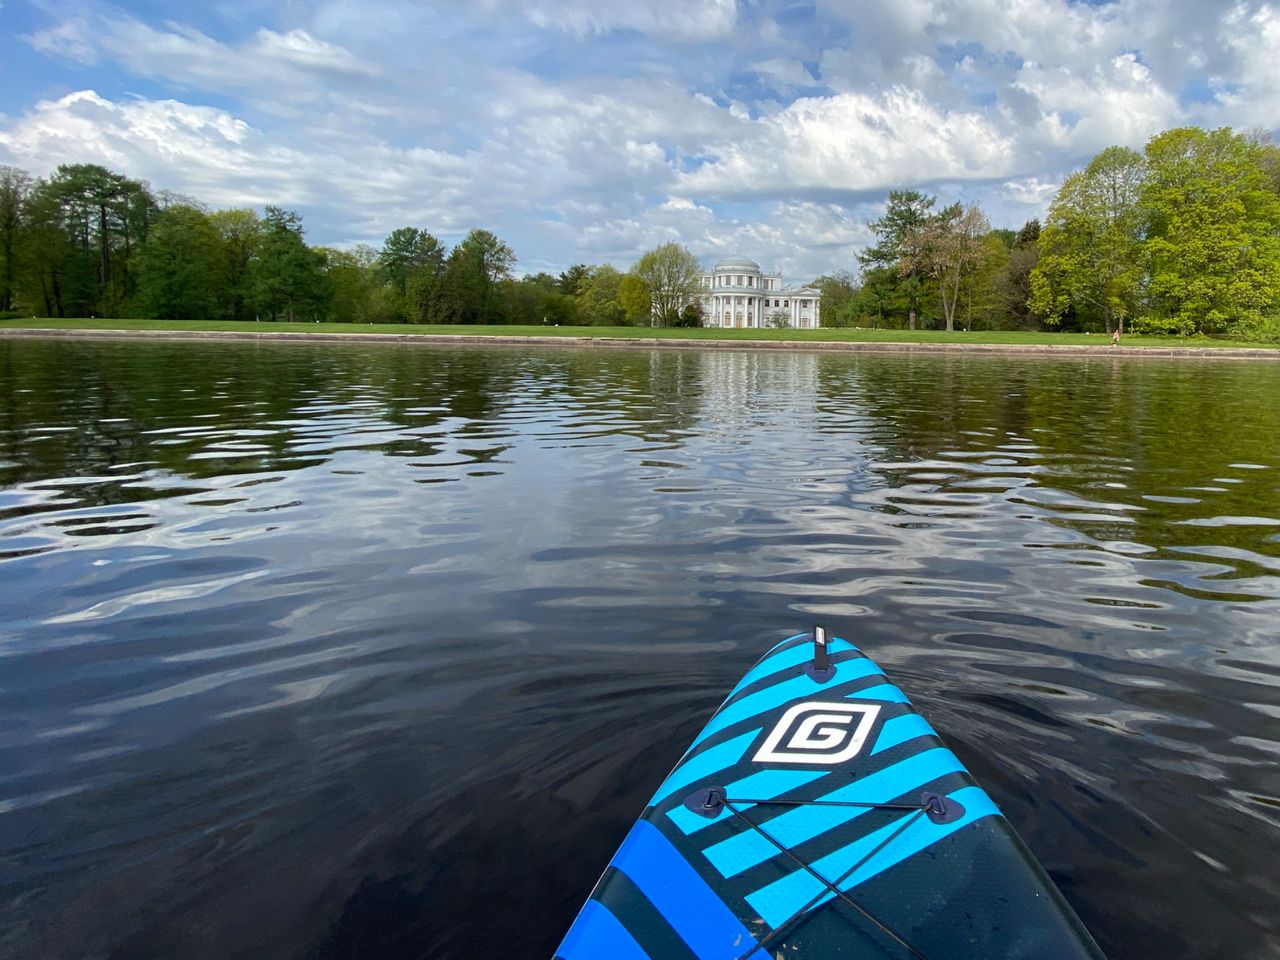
(1140, 451)
(74, 410)
(121, 422)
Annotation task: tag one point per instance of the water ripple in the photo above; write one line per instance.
(313, 645)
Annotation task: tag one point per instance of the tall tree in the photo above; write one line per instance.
(906, 210)
(46, 254)
(1214, 232)
(569, 281)
(1090, 249)
(599, 303)
(288, 278)
(179, 266)
(673, 278)
(837, 291)
(469, 286)
(1013, 283)
(947, 247)
(15, 186)
(635, 300)
(239, 235)
(412, 261)
(106, 216)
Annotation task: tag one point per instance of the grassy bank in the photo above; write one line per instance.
(1009, 337)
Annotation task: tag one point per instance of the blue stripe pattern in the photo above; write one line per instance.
(598, 933)
(764, 785)
(899, 730)
(744, 850)
(780, 899)
(884, 691)
(796, 688)
(786, 658)
(712, 760)
(693, 909)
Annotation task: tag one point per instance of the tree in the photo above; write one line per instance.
(412, 262)
(673, 278)
(239, 234)
(178, 266)
(469, 285)
(635, 300)
(1013, 283)
(288, 276)
(569, 281)
(15, 186)
(837, 290)
(353, 279)
(1090, 250)
(947, 247)
(906, 210)
(1213, 248)
(106, 215)
(598, 300)
(690, 315)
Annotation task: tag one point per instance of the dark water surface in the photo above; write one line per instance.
(320, 651)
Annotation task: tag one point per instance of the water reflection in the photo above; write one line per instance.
(318, 650)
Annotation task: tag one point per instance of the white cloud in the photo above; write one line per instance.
(854, 143)
(685, 21)
(276, 69)
(587, 130)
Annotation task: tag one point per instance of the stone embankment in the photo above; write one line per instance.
(666, 343)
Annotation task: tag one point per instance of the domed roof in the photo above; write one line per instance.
(741, 264)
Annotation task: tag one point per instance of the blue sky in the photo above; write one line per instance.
(586, 131)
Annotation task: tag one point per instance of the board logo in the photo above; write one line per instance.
(820, 733)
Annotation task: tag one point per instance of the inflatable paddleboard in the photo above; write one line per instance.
(818, 815)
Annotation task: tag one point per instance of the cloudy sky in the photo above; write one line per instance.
(590, 130)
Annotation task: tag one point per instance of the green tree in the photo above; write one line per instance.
(1213, 248)
(15, 187)
(353, 279)
(1090, 249)
(691, 315)
(106, 216)
(469, 287)
(837, 291)
(636, 301)
(412, 262)
(569, 281)
(239, 234)
(598, 300)
(1013, 283)
(46, 255)
(673, 277)
(178, 266)
(288, 276)
(906, 210)
(948, 247)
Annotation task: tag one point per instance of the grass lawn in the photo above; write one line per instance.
(825, 334)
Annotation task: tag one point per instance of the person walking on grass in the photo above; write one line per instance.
(1115, 337)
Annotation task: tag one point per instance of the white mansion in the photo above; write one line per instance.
(738, 294)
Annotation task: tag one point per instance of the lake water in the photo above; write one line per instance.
(319, 651)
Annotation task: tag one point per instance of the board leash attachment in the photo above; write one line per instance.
(820, 669)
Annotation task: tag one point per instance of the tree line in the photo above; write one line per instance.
(1181, 238)
(87, 241)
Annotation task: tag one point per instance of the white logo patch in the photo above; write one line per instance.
(822, 733)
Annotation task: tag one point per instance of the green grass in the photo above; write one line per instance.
(1019, 338)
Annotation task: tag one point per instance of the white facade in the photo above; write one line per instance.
(737, 293)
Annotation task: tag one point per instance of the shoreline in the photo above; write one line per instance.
(653, 343)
